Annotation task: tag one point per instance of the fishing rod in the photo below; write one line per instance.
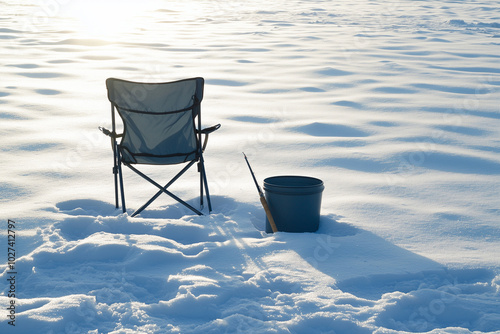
(262, 198)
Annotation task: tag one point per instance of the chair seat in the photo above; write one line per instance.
(155, 160)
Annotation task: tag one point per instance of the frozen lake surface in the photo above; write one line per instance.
(394, 105)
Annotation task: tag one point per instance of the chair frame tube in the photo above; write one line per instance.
(162, 189)
(138, 211)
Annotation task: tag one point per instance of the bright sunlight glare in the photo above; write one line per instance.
(107, 18)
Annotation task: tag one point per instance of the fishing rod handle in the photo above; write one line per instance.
(268, 214)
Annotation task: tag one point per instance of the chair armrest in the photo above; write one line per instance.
(210, 129)
(206, 132)
(110, 133)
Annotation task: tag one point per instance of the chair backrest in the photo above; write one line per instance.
(158, 119)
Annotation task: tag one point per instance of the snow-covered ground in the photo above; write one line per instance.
(393, 104)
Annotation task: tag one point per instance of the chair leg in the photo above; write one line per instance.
(205, 182)
(120, 175)
(200, 170)
(115, 172)
(208, 194)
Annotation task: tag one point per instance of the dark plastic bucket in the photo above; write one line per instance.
(294, 202)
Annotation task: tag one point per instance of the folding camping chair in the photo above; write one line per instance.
(161, 126)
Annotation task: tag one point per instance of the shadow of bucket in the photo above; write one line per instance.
(294, 202)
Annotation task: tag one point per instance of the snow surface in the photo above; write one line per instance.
(393, 104)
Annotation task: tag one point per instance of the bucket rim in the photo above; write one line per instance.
(318, 182)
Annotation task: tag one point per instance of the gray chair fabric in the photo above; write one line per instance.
(158, 120)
